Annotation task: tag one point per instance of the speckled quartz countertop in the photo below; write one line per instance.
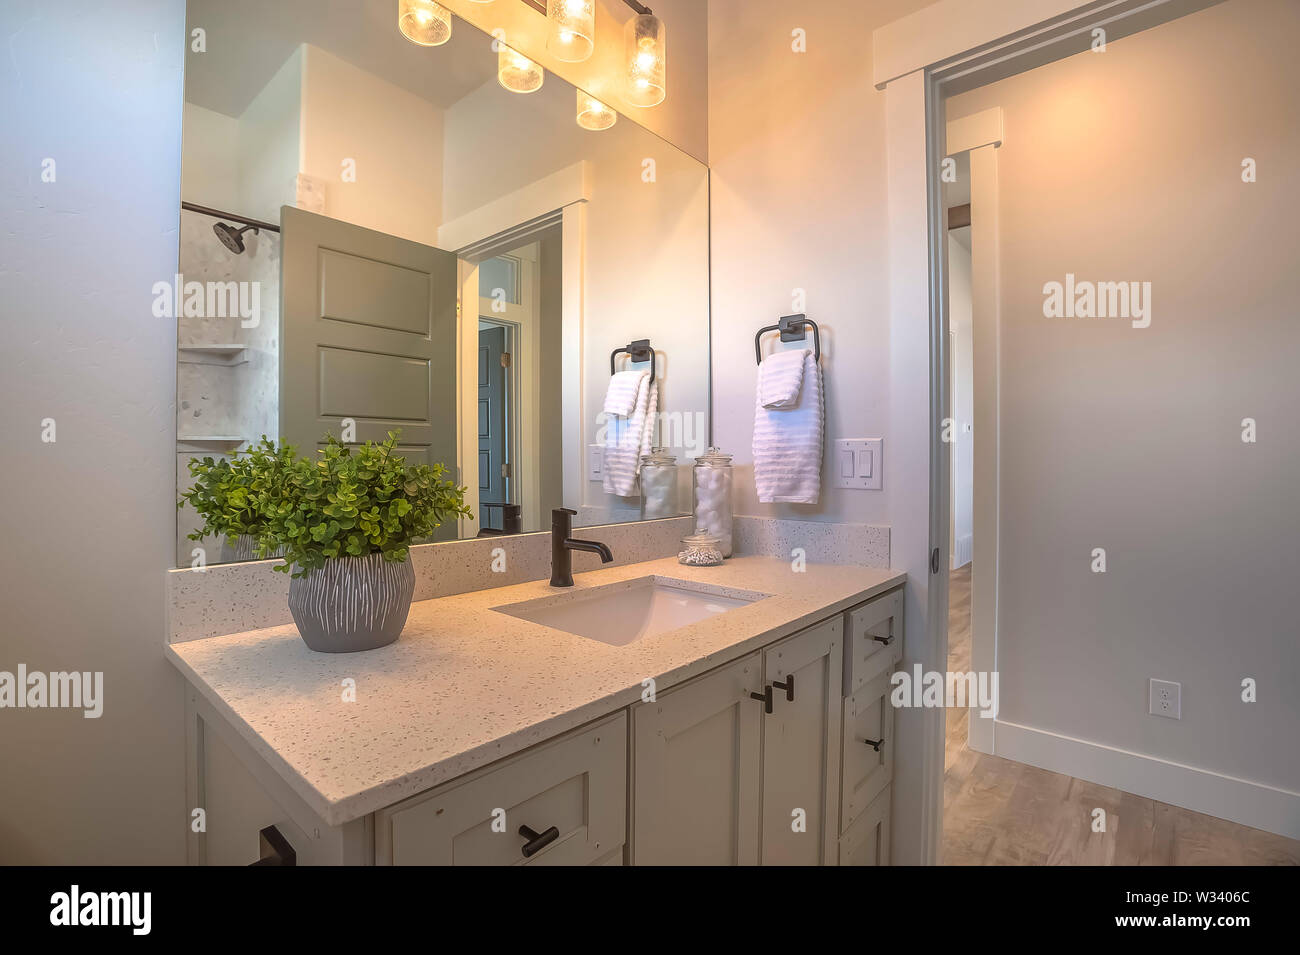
(466, 685)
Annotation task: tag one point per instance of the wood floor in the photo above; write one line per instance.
(998, 812)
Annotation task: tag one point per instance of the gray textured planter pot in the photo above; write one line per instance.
(352, 603)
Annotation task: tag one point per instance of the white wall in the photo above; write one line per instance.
(1126, 165)
(797, 154)
(393, 136)
(90, 517)
(962, 412)
(647, 246)
(210, 159)
(270, 143)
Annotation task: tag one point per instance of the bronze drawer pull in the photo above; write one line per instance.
(885, 640)
(874, 743)
(275, 848)
(765, 698)
(537, 841)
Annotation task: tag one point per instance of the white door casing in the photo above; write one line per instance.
(949, 46)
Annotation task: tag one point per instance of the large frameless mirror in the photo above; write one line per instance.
(381, 236)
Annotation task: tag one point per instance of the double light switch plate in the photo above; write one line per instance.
(858, 463)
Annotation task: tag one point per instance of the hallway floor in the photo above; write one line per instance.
(999, 812)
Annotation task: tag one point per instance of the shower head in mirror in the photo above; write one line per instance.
(232, 238)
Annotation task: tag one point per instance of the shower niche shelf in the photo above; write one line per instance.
(227, 355)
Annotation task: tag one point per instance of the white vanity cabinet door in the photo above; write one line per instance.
(695, 761)
(867, 840)
(801, 747)
(577, 783)
(874, 635)
(868, 764)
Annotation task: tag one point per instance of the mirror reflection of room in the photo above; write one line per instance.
(402, 240)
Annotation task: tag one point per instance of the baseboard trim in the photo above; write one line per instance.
(962, 551)
(1201, 790)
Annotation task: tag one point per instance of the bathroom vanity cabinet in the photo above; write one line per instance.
(782, 756)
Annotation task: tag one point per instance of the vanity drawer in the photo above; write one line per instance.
(873, 640)
(867, 771)
(867, 840)
(577, 783)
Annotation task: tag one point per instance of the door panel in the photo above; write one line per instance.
(801, 747)
(867, 767)
(368, 332)
(867, 841)
(695, 753)
(356, 383)
(492, 485)
(362, 291)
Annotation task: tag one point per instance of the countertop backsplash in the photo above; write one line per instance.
(234, 598)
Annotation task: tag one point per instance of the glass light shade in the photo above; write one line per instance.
(424, 22)
(593, 114)
(572, 34)
(647, 58)
(516, 72)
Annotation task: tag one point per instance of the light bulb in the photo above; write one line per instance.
(572, 36)
(516, 72)
(593, 114)
(424, 22)
(646, 43)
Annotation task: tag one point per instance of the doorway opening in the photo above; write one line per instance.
(512, 320)
(959, 431)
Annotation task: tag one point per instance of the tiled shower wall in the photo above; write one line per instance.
(213, 399)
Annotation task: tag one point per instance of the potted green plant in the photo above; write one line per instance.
(228, 492)
(344, 524)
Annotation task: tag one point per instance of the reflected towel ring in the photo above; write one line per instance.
(639, 350)
(791, 328)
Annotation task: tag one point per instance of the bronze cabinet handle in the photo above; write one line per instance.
(537, 841)
(275, 849)
(788, 686)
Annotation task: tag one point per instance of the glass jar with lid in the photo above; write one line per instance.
(658, 485)
(701, 549)
(713, 481)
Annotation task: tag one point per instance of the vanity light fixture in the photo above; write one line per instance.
(424, 22)
(647, 54)
(593, 114)
(516, 72)
(572, 36)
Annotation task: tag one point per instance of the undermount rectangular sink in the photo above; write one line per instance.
(622, 613)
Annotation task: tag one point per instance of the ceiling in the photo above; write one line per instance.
(248, 40)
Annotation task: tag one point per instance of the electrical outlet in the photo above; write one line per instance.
(1166, 699)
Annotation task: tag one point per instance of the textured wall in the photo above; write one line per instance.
(88, 520)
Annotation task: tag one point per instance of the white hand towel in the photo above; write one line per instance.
(780, 377)
(788, 442)
(629, 437)
(624, 386)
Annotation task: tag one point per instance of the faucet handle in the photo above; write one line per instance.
(557, 511)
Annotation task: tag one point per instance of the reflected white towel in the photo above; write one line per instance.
(788, 442)
(780, 377)
(624, 386)
(629, 437)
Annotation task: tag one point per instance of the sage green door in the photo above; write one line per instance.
(368, 333)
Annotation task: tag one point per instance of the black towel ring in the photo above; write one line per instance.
(791, 329)
(639, 350)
